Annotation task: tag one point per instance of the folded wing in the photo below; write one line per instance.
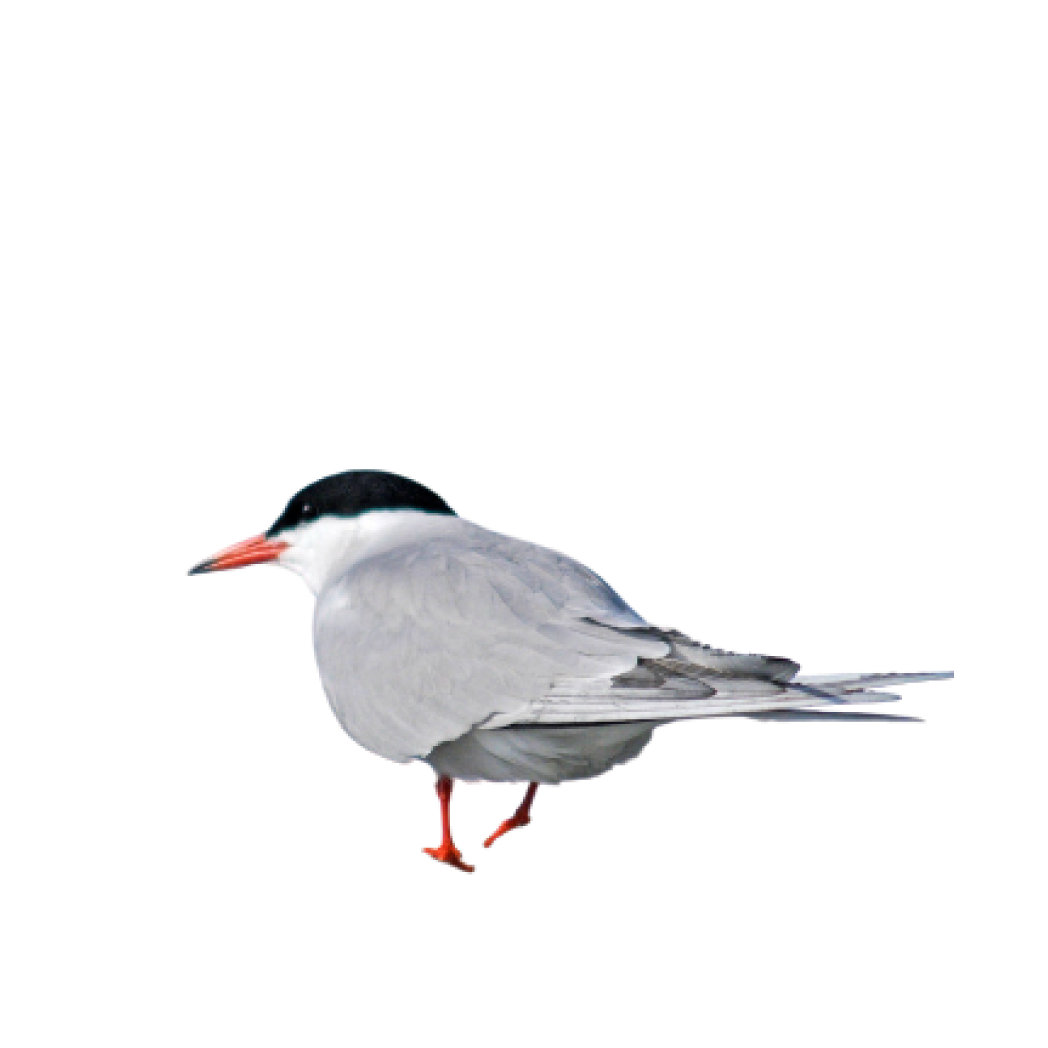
(425, 642)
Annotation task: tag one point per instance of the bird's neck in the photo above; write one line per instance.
(326, 549)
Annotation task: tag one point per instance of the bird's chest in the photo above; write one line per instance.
(378, 695)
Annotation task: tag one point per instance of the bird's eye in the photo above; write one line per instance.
(306, 509)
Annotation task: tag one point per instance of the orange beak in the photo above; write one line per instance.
(252, 551)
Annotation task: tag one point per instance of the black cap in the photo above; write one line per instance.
(354, 492)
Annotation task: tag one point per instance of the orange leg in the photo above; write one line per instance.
(521, 817)
(447, 852)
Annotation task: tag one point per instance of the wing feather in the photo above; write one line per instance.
(421, 643)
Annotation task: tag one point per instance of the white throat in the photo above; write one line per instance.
(325, 549)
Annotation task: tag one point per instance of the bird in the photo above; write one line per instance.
(497, 660)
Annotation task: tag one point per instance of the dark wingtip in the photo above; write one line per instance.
(202, 568)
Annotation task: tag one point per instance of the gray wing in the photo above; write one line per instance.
(735, 693)
(420, 644)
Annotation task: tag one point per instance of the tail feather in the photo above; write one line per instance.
(845, 683)
(712, 695)
(836, 716)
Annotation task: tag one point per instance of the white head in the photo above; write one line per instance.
(332, 522)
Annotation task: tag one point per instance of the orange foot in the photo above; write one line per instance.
(512, 823)
(447, 852)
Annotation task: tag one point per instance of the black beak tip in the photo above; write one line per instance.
(202, 568)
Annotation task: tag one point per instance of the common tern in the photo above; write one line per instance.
(494, 659)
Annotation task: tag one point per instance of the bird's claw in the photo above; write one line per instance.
(448, 853)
